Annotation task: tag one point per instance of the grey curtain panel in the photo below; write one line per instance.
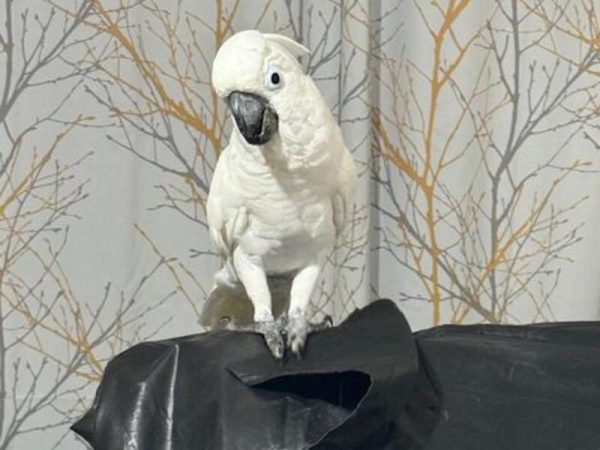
(474, 126)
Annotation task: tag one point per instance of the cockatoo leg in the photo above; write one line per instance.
(298, 327)
(252, 275)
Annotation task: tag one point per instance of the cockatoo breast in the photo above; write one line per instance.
(290, 216)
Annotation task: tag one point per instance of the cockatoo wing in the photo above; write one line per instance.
(226, 220)
(343, 196)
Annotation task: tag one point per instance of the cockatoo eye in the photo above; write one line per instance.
(274, 80)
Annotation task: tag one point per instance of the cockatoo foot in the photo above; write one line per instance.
(271, 330)
(298, 328)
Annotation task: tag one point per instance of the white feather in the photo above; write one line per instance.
(282, 203)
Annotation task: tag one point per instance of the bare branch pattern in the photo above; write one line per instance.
(487, 248)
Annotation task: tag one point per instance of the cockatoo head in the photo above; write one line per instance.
(258, 74)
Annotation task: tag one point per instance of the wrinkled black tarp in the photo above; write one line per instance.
(367, 384)
(224, 390)
(527, 387)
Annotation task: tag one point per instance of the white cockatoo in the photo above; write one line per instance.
(281, 192)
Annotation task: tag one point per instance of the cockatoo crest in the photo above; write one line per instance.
(294, 48)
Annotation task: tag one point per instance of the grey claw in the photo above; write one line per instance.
(272, 331)
(276, 345)
(297, 332)
(327, 322)
(298, 328)
(274, 340)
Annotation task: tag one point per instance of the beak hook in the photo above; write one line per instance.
(254, 117)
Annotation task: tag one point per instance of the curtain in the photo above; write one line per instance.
(474, 126)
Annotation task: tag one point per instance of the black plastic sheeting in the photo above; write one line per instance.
(367, 384)
(224, 390)
(516, 387)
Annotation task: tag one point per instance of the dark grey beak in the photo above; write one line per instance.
(254, 117)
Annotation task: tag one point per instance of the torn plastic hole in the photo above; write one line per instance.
(342, 389)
